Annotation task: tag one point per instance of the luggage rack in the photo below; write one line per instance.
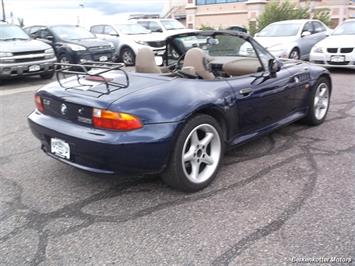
(82, 71)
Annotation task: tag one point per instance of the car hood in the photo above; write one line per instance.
(336, 41)
(97, 96)
(88, 43)
(146, 37)
(269, 42)
(22, 46)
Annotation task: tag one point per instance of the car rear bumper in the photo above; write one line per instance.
(9, 70)
(324, 59)
(140, 151)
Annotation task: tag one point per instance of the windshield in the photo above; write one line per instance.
(171, 24)
(12, 32)
(280, 30)
(72, 33)
(132, 29)
(347, 28)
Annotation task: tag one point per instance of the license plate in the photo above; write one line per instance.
(103, 58)
(34, 68)
(337, 58)
(60, 148)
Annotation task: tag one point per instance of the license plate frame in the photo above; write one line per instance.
(103, 58)
(34, 68)
(60, 148)
(337, 58)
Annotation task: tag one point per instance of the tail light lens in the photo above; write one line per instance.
(113, 120)
(39, 103)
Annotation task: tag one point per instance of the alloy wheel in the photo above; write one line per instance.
(321, 101)
(127, 57)
(201, 153)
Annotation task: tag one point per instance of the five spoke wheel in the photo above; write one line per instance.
(201, 153)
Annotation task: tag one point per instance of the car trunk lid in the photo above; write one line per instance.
(75, 102)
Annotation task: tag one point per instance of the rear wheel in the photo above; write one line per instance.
(318, 103)
(128, 57)
(197, 155)
(295, 54)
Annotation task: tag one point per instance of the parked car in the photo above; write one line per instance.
(237, 28)
(177, 124)
(166, 27)
(338, 50)
(22, 56)
(292, 38)
(128, 38)
(73, 44)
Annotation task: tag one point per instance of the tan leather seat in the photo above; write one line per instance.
(196, 58)
(145, 61)
(242, 66)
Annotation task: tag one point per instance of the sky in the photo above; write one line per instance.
(88, 12)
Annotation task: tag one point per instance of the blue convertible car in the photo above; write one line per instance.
(215, 90)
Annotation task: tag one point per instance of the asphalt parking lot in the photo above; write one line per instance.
(285, 197)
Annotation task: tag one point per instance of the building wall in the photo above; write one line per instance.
(243, 12)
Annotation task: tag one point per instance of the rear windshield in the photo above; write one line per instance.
(72, 33)
(347, 28)
(12, 32)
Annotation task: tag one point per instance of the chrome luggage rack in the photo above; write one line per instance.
(82, 71)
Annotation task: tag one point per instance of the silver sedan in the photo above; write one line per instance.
(292, 38)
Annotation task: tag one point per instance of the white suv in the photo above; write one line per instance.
(166, 27)
(128, 38)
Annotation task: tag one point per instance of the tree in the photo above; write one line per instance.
(281, 10)
(323, 15)
(206, 27)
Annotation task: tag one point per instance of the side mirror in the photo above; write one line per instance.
(274, 67)
(305, 34)
(256, 34)
(50, 38)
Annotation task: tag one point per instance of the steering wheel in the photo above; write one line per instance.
(175, 67)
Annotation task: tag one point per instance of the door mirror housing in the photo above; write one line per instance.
(274, 67)
(305, 34)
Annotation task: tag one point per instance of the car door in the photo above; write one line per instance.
(111, 35)
(262, 99)
(320, 31)
(307, 41)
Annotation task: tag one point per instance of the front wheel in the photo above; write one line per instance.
(318, 103)
(128, 57)
(197, 155)
(295, 54)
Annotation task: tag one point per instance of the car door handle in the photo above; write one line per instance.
(246, 91)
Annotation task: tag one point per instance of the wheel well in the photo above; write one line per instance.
(123, 47)
(326, 76)
(218, 116)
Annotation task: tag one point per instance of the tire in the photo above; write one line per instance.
(127, 56)
(47, 75)
(197, 154)
(295, 54)
(318, 104)
(65, 58)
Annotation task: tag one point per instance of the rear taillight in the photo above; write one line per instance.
(39, 103)
(113, 120)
